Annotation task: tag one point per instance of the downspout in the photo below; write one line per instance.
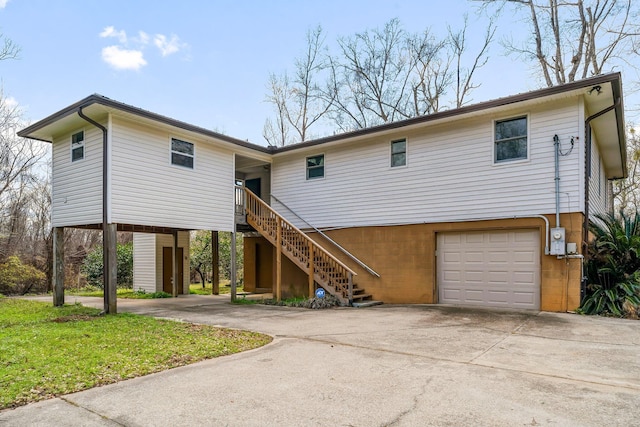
(556, 145)
(587, 175)
(105, 253)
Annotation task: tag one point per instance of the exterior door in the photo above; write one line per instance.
(498, 268)
(254, 185)
(167, 270)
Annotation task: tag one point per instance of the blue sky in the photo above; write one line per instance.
(203, 62)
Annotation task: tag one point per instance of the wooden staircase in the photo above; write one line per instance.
(322, 267)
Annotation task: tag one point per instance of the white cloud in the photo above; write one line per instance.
(167, 47)
(123, 59)
(128, 53)
(143, 38)
(3, 3)
(110, 31)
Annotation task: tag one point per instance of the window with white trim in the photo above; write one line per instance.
(77, 146)
(182, 153)
(398, 153)
(510, 140)
(315, 166)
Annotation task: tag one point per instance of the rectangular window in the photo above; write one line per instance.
(398, 153)
(77, 146)
(510, 140)
(182, 153)
(315, 166)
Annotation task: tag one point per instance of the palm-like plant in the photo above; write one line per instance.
(613, 269)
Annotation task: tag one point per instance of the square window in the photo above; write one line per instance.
(510, 140)
(315, 166)
(398, 153)
(182, 153)
(77, 146)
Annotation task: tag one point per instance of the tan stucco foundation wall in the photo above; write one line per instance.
(404, 256)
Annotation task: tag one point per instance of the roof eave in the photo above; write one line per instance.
(499, 102)
(101, 100)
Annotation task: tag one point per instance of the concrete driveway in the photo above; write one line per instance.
(380, 366)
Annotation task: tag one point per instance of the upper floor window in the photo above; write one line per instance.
(182, 153)
(77, 146)
(399, 153)
(510, 140)
(315, 166)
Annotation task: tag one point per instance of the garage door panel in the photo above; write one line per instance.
(453, 294)
(472, 238)
(497, 257)
(493, 268)
(524, 278)
(523, 297)
(474, 256)
(452, 276)
(474, 295)
(497, 238)
(497, 277)
(524, 256)
(452, 239)
(498, 297)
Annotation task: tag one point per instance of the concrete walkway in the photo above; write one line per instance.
(380, 366)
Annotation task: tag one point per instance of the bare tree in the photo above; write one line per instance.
(299, 102)
(626, 192)
(574, 39)
(377, 76)
(458, 49)
(375, 70)
(8, 49)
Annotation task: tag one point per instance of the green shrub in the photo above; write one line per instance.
(17, 278)
(92, 266)
(613, 267)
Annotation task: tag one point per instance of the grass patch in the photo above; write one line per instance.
(225, 288)
(47, 351)
(121, 293)
(301, 302)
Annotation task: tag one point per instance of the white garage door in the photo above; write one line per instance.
(490, 268)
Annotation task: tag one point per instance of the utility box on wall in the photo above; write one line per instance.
(558, 246)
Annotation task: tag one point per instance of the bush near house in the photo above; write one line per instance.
(17, 278)
(92, 266)
(613, 268)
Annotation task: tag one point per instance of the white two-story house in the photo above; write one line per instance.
(485, 205)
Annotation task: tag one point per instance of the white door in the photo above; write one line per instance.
(489, 268)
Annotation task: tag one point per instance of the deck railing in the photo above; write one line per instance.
(328, 271)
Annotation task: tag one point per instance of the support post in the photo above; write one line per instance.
(110, 259)
(215, 263)
(311, 271)
(233, 266)
(278, 260)
(350, 275)
(176, 262)
(58, 266)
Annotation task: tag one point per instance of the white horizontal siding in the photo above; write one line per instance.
(77, 186)
(598, 201)
(146, 189)
(449, 175)
(144, 262)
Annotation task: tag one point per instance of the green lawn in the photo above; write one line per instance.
(47, 351)
(196, 288)
(122, 293)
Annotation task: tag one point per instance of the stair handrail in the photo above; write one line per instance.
(337, 245)
(251, 195)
